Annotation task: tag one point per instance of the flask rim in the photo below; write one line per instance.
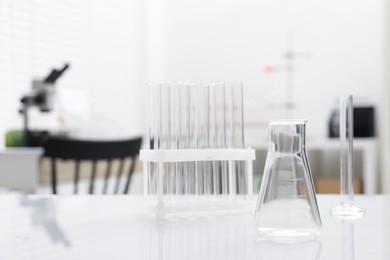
(287, 121)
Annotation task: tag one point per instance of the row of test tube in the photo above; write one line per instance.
(189, 115)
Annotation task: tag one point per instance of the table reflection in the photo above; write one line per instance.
(348, 235)
(44, 214)
(222, 237)
(347, 240)
(271, 250)
(232, 237)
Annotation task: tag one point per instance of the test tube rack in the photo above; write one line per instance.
(164, 204)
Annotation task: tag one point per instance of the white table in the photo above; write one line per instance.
(115, 227)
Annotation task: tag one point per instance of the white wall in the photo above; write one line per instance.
(116, 47)
(233, 40)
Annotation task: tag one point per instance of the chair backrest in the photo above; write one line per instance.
(77, 150)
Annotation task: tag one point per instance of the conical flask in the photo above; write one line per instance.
(287, 208)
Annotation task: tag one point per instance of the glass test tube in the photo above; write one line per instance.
(219, 134)
(203, 128)
(226, 125)
(176, 110)
(189, 101)
(150, 140)
(155, 132)
(232, 107)
(147, 172)
(237, 115)
(185, 117)
(211, 132)
(208, 110)
(198, 89)
(238, 136)
(174, 142)
(158, 176)
(166, 132)
(181, 109)
(193, 134)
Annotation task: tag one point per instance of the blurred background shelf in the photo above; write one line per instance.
(324, 159)
(21, 169)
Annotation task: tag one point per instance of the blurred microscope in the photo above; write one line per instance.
(41, 96)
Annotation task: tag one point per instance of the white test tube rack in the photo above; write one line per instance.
(162, 156)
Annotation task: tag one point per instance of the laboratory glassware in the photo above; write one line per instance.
(347, 209)
(287, 207)
(196, 144)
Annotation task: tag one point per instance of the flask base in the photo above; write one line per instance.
(287, 235)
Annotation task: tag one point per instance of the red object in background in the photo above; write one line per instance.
(268, 69)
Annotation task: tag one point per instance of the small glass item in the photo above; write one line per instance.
(347, 209)
(287, 207)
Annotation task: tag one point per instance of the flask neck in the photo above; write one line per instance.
(287, 137)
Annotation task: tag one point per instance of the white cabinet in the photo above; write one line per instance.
(19, 169)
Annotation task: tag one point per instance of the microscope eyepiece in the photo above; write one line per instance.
(55, 74)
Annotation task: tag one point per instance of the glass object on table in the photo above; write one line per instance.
(287, 208)
(347, 209)
(196, 146)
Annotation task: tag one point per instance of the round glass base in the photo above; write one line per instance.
(348, 211)
(287, 235)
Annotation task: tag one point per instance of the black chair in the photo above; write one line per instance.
(77, 150)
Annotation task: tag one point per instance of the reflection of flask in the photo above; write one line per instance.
(305, 250)
(287, 208)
